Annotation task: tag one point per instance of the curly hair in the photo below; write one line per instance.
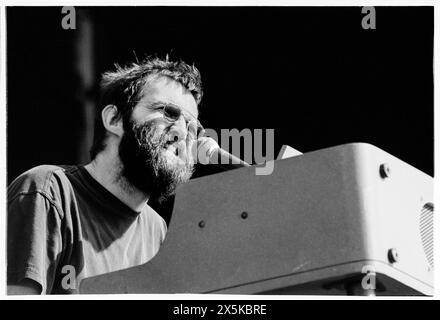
(123, 88)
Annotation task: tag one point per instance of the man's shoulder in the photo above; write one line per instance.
(155, 218)
(44, 179)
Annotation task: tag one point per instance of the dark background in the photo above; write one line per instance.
(313, 74)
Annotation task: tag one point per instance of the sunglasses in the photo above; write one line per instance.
(173, 113)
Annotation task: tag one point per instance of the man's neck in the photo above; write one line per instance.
(107, 171)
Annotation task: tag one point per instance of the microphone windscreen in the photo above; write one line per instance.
(206, 146)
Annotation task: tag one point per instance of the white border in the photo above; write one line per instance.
(202, 3)
(232, 3)
(436, 68)
(3, 154)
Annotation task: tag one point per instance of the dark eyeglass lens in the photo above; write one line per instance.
(172, 113)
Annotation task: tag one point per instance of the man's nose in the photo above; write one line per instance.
(179, 130)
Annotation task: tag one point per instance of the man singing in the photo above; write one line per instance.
(72, 222)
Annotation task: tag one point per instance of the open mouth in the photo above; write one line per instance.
(172, 147)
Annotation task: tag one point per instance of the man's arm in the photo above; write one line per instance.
(34, 243)
(25, 287)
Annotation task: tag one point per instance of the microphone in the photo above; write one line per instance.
(209, 152)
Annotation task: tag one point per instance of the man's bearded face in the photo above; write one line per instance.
(152, 161)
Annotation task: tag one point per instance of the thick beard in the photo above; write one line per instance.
(145, 165)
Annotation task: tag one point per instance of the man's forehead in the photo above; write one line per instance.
(167, 90)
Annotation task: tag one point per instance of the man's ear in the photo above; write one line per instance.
(111, 121)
